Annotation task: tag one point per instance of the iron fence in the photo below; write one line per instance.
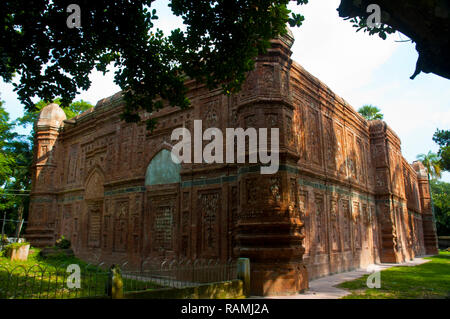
(52, 282)
(59, 282)
(178, 273)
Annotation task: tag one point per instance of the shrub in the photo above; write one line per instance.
(63, 243)
(4, 240)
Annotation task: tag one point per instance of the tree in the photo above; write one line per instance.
(441, 200)
(221, 42)
(15, 172)
(11, 161)
(426, 23)
(52, 58)
(442, 138)
(370, 112)
(6, 158)
(431, 162)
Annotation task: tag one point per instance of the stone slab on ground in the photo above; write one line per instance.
(323, 288)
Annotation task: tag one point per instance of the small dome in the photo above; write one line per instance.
(51, 115)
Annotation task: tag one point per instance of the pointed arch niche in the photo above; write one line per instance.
(94, 194)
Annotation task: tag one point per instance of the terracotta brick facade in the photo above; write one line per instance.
(343, 198)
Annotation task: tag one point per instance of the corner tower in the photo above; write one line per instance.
(268, 227)
(40, 228)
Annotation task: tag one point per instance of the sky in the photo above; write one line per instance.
(360, 68)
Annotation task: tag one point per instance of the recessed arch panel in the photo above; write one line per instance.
(162, 170)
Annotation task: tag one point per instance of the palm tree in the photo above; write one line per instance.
(431, 161)
(370, 112)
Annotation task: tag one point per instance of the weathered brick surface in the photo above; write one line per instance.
(343, 198)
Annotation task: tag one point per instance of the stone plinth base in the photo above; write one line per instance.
(278, 279)
(40, 237)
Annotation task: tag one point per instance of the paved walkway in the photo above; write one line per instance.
(323, 288)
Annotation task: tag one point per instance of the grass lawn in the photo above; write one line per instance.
(429, 280)
(47, 278)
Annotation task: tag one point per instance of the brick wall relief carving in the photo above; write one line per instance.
(67, 221)
(94, 226)
(305, 218)
(234, 117)
(252, 191)
(249, 121)
(38, 214)
(126, 147)
(185, 223)
(111, 153)
(94, 187)
(319, 224)
(330, 144)
(293, 197)
(136, 218)
(380, 154)
(285, 83)
(58, 221)
(163, 227)
(314, 148)
(275, 191)
(233, 219)
(381, 179)
(249, 86)
(268, 78)
(140, 145)
(163, 212)
(346, 224)
(211, 113)
(107, 224)
(334, 224)
(76, 231)
(374, 225)
(271, 120)
(365, 215)
(370, 168)
(289, 132)
(361, 163)
(351, 156)
(301, 129)
(340, 155)
(209, 205)
(120, 226)
(356, 226)
(73, 164)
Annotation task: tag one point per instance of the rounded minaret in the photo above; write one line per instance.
(51, 116)
(44, 185)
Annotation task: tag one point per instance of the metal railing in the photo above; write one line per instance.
(59, 281)
(52, 282)
(178, 273)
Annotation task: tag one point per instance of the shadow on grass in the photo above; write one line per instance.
(42, 278)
